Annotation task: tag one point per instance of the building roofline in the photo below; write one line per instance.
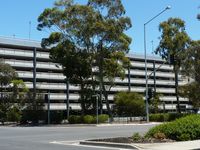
(36, 44)
(19, 42)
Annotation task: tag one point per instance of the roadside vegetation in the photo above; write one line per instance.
(129, 104)
(183, 129)
(88, 119)
(166, 117)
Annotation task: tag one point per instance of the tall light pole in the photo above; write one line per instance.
(97, 96)
(145, 55)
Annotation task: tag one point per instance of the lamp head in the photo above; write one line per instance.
(168, 7)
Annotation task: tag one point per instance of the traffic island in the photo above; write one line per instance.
(108, 144)
(183, 134)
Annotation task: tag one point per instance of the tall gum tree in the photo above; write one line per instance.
(173, 43)
(191, 68)
(111, 43)
(70, 40)
(84, 36)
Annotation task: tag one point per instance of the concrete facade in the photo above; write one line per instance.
(20, 55)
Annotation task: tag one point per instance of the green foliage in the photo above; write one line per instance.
(191, 69)
(34, 110)
(103, 118)
(191, 91)
(158, 117)
(12, 94)
(84, 34)
(7, 74)
(56, 117)
(4, 109)
(136, 136)
(88, 119)
(155, 102)
(14, 115)
(186, 128)
(32, 116)
(191, 61)
(129, 104)
(173, 43)
(174, 40)
(165, 117)
(74, 119)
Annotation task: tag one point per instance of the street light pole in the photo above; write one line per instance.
(67, 98)
(145, 55)
(97, 110)
(97, 107)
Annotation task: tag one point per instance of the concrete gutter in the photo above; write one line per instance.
(109, 144)
(186, 145)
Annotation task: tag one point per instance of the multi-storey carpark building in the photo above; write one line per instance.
(33, 65)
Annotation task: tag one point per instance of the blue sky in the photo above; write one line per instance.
(16, 14)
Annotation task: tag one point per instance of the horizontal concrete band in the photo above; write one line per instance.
(106, 144)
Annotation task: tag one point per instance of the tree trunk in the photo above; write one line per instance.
(176, 91)
(105, 93)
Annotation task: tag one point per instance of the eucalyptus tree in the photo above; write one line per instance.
(7, 74)
(111, 43)
(173, 43)
(70, 42)
(191, 69)
(87, 38)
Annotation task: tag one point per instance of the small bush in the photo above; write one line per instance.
(136, 136)
(32, 116)
(186, 128)
(14, 115)
(88, 119)
(103, 118)
(75, 119)
(56, 117)
(184, 137)
(165, 117)
(159, 135)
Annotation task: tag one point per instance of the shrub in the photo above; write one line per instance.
(129, 104)
(33, 116)
(14, 115)
(159, 135)
(136, 136)
(103, 118)
(88, 119)
(186, 128)
(56, 117)
(165, 117)
(73, 119)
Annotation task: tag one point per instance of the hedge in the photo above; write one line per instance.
(161, 117)
(87, 119)
(183, 129)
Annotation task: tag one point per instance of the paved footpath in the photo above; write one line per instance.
(188, 145)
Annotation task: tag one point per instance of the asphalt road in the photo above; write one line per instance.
(41, 138)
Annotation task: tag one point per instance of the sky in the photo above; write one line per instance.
(16, 14)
